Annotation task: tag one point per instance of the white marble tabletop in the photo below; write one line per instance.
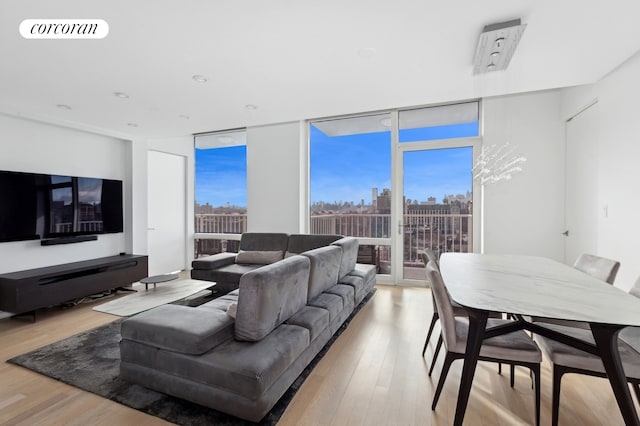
(535, 286)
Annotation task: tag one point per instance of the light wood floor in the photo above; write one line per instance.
(373, 375)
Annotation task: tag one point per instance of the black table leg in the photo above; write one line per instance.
(477, 325)
(606, 337)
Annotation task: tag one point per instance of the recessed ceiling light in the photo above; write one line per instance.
(250, 107)
(120, 95)
(132, 124)
(63, 106)
(200, 78)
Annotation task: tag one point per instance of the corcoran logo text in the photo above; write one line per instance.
(64, 28)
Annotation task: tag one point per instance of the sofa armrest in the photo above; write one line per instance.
(215, 261)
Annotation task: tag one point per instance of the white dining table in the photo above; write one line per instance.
(529, 286)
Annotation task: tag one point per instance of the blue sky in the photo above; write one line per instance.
(221, 176)
(346, 168)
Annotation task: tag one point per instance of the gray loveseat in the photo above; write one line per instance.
(285, 312)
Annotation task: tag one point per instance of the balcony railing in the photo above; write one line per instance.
(83, 226)
(234, 223)
(440, 232)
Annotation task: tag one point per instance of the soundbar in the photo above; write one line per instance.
(68, 240)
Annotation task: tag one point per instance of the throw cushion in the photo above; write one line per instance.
(232, 309)
(260, 257)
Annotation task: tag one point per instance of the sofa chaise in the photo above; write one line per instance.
(240, 352)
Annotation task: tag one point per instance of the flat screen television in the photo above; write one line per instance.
(36, 206)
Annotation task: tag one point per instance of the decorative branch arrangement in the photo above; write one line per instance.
(496, 164)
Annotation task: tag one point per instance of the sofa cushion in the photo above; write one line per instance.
(221, 303)
(263, 241)
(331, 302)
(228, 274)
(179, 328)
(262, 257)
(349, 247)
(299, 243)
(244, 368)
(313, 319)
(270, 295)
(214, 262)
(366, 272)
(354, 281)
(325, 265)
(345, 291)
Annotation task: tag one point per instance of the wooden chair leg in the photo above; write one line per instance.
(435, 354)
(536, 379)
(434, 319)
(448, 359)
(558, 371)
(636, 390)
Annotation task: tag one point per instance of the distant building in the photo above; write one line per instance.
(383, 203)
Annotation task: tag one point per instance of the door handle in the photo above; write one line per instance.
(566, 233)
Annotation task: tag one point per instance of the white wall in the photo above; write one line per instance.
(525, 215)
(275, 178)
(618, 95)
(30, 146)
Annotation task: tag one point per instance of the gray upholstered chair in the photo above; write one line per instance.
(598, 267)
(427, 255)
(567, 359)
(512, 348)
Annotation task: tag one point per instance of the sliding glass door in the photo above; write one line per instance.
(399, 181)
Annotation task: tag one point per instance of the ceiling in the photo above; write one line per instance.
(291, 59)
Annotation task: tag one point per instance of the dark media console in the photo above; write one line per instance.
(26, 291)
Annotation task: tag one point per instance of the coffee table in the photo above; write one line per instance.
(155, 279)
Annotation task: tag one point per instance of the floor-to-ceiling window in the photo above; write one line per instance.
(434, 167)
(220, 191)
(350, 183)
(358, 164)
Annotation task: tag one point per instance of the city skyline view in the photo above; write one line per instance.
(345, 169)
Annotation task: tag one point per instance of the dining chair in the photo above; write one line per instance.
(598, 267)
(512, 348)
(429, 256)
(566, 359)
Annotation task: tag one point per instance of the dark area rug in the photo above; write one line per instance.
(91, 361)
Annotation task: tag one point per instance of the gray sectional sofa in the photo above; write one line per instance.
(240, 352)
